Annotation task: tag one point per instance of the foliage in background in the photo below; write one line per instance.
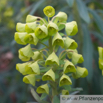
(89, 17)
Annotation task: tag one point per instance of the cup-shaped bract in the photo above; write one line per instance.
(21, 68)
(77, 58)
(61, 16)
(52, 29)
(49, 75)
(25, 53)
(65, 80)
(69, 67)
(69, 43)
(31, 18)
(29, 79)
(37, 55)
(41, 32)
(57, 40)
(80, 73)
(43, 89)
(70, 52)
(65, 92)
(71, 28)
(32, 68)
(30, 27)
(100, 50)
(101, 64)
(52, 59)
(31, 39)
(20, 27)
(49, 11)
(19, 37)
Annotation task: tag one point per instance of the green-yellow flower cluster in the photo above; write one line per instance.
(51, 68)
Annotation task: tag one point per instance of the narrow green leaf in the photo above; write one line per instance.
(97, 19)
(82, 9)
(70, 2)
(87, 52)
(56, 99)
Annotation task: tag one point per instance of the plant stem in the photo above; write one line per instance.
(50, 45)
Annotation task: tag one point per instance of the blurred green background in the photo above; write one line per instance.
(89, 17)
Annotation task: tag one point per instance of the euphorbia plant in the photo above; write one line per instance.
(54, 70)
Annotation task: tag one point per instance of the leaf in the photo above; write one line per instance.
(44, 95)
(70, 2)
(36, 6)
(35, 95)
(82, 9)
(87, 52)
(56, 99)
(97, 19)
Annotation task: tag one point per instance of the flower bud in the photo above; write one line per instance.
(29, 79)
(71, 28)
(49, 75)
(41, 32)
(25, 53)
(101, 64)
(32, 68)
(69, 67)
(21, 68)
(80, 73)
(65, 80)
(49, 11)
(65, 92)
(31, 18)
(61, 16)
(52, 59)
(20, 27)
(37, 55)
(69, 43)
(52, 29)
(31, 39)
(77, 58)
(19, 37)
(30, 27)
(57, 40)
(70, 52)
(43, 89)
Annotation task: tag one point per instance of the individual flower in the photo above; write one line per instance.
(49, 75)
(31, 18)
(71, 28)
(49, 11)
(20, 27)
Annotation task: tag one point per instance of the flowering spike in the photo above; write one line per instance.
(31, 18)
(101, 64)
(65, 80)
(41, 32)
(20, 27)
(80, 72)
(71, 28)
(58, 40)
(29, 79)
(69, 67)
(49, 11)
(43, 89)
(19, 37)
(52, 59)
(49, 75)
(100, 49)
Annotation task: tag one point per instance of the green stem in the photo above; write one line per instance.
(43, 44)
(50, 45)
